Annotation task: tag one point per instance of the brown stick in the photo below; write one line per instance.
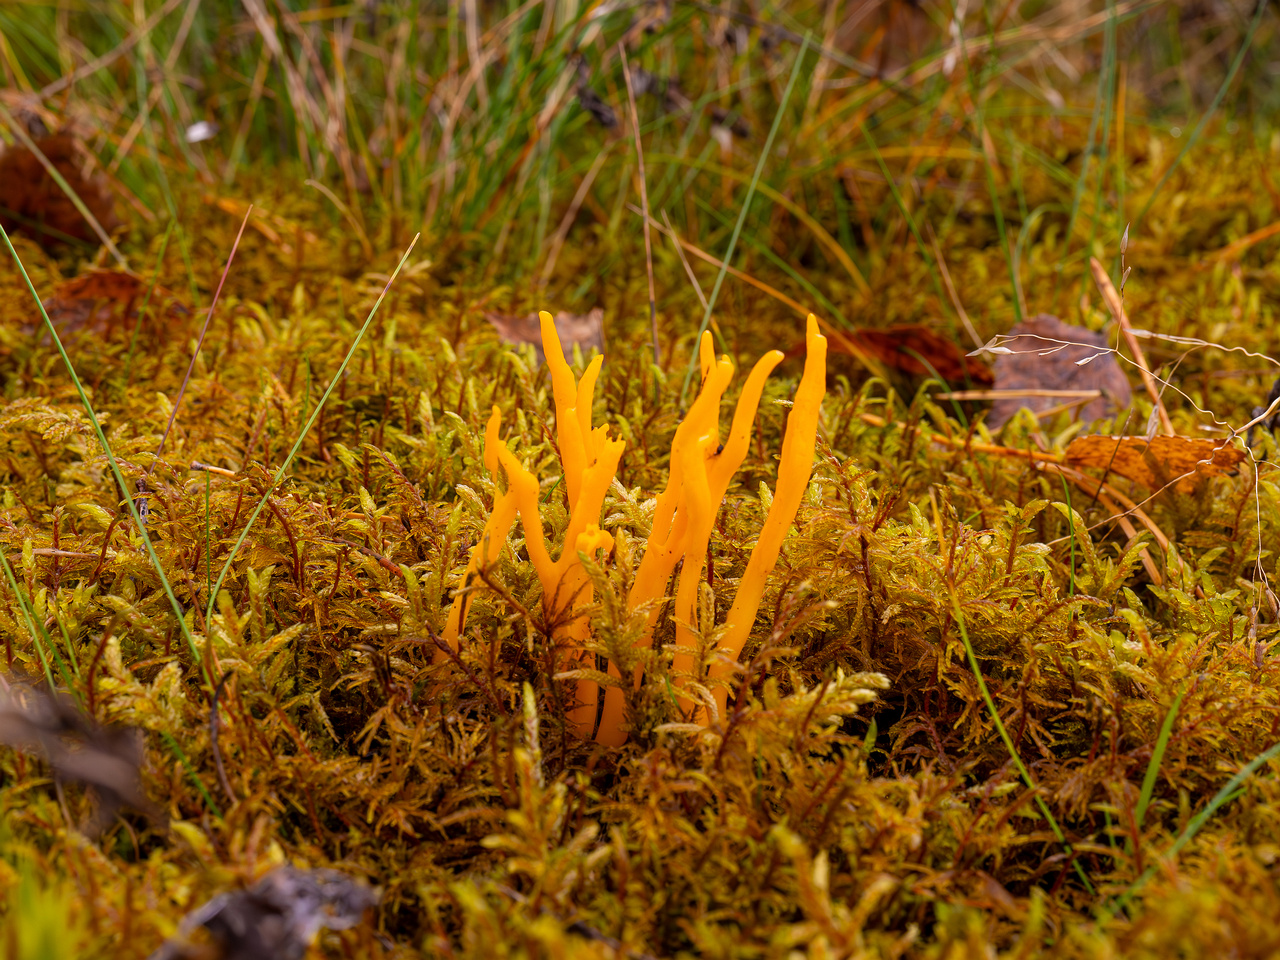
(1116, 306)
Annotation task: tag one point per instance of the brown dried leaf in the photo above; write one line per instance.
(584, 329)
(1047, 355)
(91, 299)
(31, 201)
(1157, 462)
(917, 352)
(119, 286)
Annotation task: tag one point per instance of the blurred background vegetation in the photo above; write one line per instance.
(503, 130)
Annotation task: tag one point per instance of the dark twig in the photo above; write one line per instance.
(213, 739)
(200, 343)
(372, 554)
(482, 572)
(452, 654)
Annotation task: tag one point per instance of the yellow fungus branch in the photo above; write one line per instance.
(590, 463)
(491, 541)
(794, 471)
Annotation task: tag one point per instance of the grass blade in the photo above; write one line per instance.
(20, 132)
(742, 214)
(302, 434)
(1153, 766)
(112, 462)
(1213, 108)
(1009, 745)
(1231, 790)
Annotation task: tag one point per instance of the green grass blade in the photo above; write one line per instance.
(906, 214)
(1009, 745)
(146, 301)
(1153, 766)
(1231, 790)
(976, 84)
(36, 630)
(112, 462)
(1071, 525)
(1213, 108)
(742, 214)
(302, 435)
(191, 772)
(20, 132)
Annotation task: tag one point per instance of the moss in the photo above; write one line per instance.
(825, 813)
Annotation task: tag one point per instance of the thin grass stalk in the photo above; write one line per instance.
(162, 178)
(146, 302)
(1230, 790)
(71, 653)
(195, 354)
(112, 55)
(798, 277)
(1108, 77)
(1009, 745)
(1077, 193)
(1071, 525)
(644, 205)
(191, 772)
(36, 630)
(1213, 107)
(829, 243)
(112, 462)
(906, 213)
(1157, 757)
(975, 86)
(742, 214)
(208, 539)
(1122, 93)
(302, 434)
(1028, 223)
(256, 88)
(20, 132)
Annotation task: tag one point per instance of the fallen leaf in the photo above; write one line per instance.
(1157, 462)
(275, 919)
(1044, 353)
(32, 201)
(584, 329)
(915, 351)
(911, 350)
(102, 284)
(91, 300)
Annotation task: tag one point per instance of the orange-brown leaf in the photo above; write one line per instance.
(1157, 462)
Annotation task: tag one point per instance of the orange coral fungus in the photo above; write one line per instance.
(686, 512)
(793, 478)
(686, 509)
(684, 516)
(590, 461)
